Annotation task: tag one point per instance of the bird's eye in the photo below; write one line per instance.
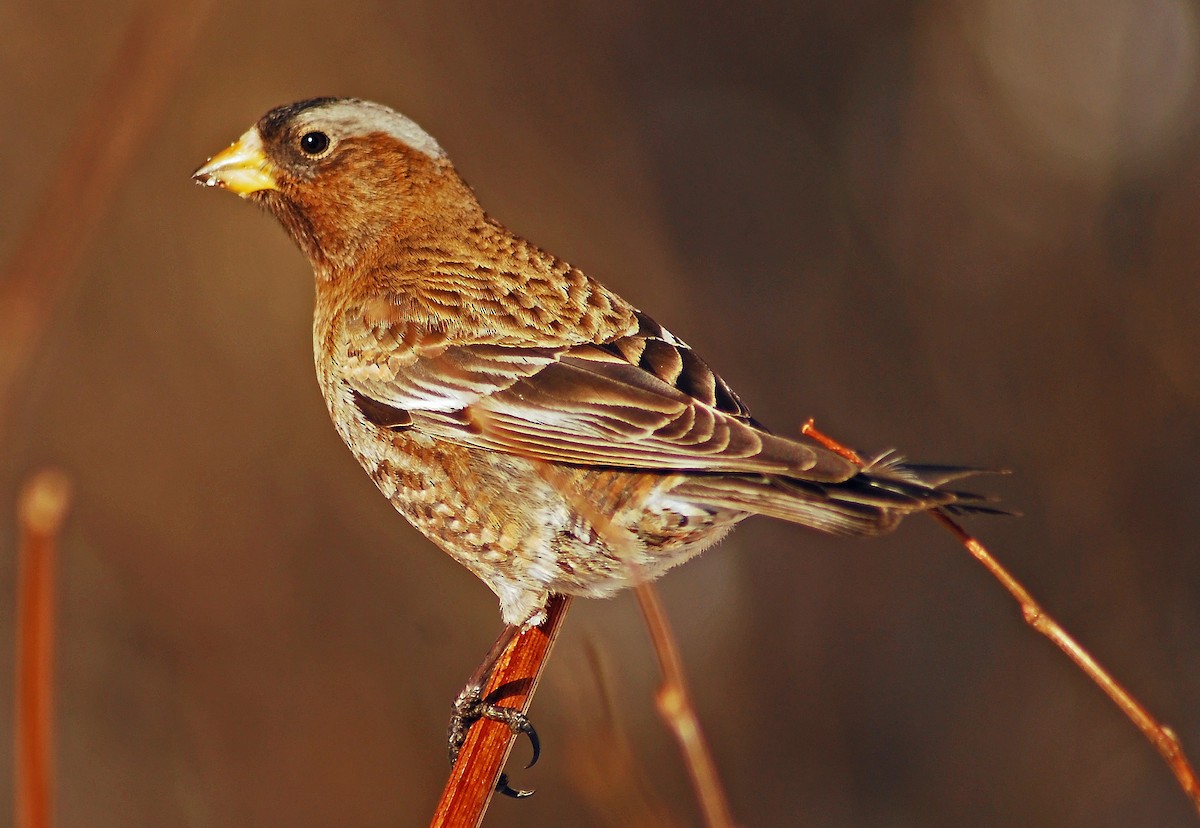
(314, 143)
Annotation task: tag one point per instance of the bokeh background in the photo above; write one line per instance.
(965, 229)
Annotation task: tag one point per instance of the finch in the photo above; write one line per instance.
(545, 433)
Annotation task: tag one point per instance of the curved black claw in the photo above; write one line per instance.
(503, 787)
(534, 742)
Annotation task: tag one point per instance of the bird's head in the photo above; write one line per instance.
(344, 176)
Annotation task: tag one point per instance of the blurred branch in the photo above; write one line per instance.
(473, 778)
(675, 705)
(1162, 737)
(119, 117)
(604, 767)
(40, 512)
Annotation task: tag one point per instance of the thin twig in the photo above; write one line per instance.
(675, 705)
(118, 119)
(473, 778)
(1159, 735)
(40, 512)
(1162, 737)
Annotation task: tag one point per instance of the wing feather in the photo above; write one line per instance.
(640, 401)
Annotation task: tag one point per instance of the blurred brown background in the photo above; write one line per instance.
(965, 229)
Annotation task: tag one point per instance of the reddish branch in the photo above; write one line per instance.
(513, 681)
(40, 513)
(1162, 737)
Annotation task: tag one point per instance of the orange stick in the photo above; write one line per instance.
(473, 778)
(675, 706)
(40, 513)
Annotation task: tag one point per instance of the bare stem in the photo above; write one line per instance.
(675, 705)
(40, 512)
(473, 778)
(1162, 737)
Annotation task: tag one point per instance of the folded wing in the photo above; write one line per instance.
(641, 401)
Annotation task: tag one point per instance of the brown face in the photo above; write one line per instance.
(344, 177)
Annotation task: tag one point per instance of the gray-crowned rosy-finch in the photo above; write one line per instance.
(532, 423)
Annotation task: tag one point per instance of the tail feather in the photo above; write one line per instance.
(761, 496)
(869, 503)
(930, 475)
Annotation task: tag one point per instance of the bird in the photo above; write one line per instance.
(535, 425)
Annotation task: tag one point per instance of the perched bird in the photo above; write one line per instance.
(540, 429)
(504, 401)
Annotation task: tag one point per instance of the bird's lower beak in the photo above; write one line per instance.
(243, 168)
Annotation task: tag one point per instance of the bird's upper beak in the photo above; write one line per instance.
(243, 168)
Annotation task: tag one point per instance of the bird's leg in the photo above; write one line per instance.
(470, 707)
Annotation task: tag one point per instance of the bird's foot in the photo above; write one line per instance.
(469, 708)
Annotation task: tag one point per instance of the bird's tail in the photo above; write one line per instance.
(869, 503)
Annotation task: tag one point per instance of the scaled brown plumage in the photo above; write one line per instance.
(532, 423)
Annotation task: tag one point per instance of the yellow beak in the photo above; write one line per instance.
(243, 168)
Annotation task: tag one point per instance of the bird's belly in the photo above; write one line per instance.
(522, 524)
